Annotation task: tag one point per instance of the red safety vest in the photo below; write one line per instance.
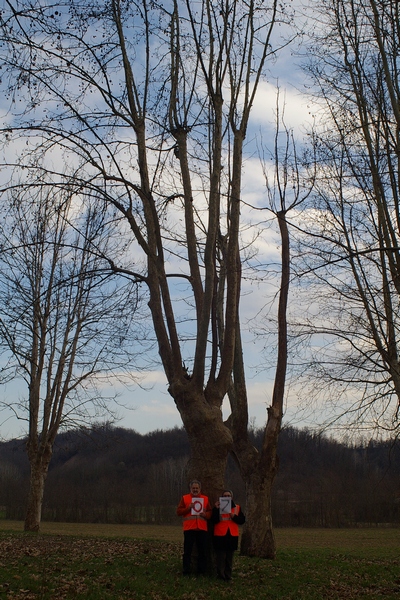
(226, 523)
(194, 521)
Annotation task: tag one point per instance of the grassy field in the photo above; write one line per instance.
(144, 562)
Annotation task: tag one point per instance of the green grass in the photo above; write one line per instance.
(144, 562)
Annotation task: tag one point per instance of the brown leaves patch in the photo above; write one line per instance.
(18, 546)
(63, 567)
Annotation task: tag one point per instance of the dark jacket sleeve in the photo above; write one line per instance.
(240, 518)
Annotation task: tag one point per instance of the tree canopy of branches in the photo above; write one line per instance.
(150, 104)
(354, 252)
(63, 321)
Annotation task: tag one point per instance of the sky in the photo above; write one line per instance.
(149, 406)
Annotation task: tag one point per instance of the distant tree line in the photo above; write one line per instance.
(114, 475)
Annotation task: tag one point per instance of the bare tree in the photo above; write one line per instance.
(64, 324)
(353, 254)
(288, 187)
(155, 100)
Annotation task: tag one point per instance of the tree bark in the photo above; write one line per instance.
(258, 535)
(39, 465)
(209, 438)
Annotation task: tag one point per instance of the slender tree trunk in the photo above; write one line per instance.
(39, 468)
(259, 468)
(258, 535)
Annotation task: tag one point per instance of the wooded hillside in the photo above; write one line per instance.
(111, 474)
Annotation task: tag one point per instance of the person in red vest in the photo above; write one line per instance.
(195, 510)
(226, 516)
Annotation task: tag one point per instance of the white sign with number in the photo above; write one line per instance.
(198, 506)
(225, 505)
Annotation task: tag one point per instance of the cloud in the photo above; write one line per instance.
(296, 106)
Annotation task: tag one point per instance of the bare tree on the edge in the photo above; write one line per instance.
(64, 324)
(155, 101)
(352, 247)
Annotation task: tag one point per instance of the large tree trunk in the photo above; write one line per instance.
(210, 445)
(209, 438)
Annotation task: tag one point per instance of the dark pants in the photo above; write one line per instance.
(224, 561)
(198, 537)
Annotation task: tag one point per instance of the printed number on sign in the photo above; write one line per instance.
(224, 505)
